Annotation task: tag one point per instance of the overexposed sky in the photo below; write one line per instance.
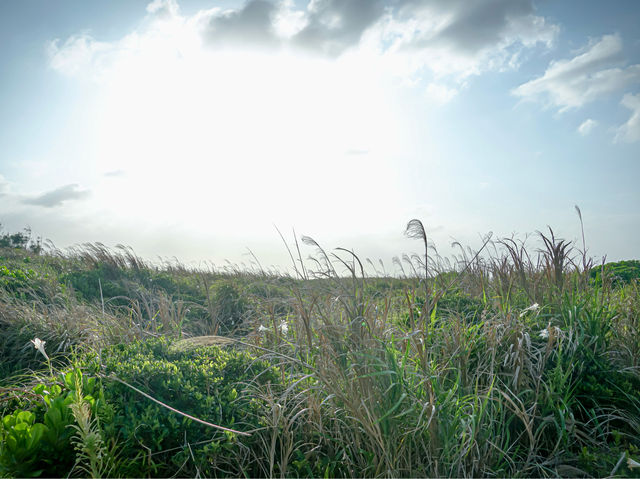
(191, 128)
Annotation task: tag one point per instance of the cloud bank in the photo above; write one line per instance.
(452, 38)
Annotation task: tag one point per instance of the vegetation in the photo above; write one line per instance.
(618, 273)
(508, 361)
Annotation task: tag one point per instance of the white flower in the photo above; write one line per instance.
(632, 464)
(39, 345)
(533, 307)
(284, 327)
(549, 330)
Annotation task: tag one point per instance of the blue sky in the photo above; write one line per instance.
(190, 128)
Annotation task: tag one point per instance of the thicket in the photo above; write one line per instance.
(510, 360)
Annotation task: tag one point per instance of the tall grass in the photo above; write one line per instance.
(516, 389)
(505, 361)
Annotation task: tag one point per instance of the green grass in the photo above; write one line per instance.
(515, 361)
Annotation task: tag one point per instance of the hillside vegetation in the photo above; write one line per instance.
(517, 360)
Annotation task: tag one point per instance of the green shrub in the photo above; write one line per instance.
(21, 443)
(230, 306)
(456, 304)
(37, 438)
(462, 304)
(21, 281)
(87, 284)
(207, 383)
(621, 272)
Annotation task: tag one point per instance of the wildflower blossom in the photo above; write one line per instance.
(284, 327)
(533, 307)
(550, 330)
(39, 345)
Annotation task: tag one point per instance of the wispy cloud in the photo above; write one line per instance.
(630, 131)
(163, 8)
(440, 93)
(115, 174)
(58, 196)
(584, 78)
(79, 54)
(587, 126)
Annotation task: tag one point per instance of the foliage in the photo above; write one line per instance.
(20, 444)
(230, 306)
(39, 441)
(619, 273)
(15, 279)
(94, 284)
(20, 240)
(207, 383)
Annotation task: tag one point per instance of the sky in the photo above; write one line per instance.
(195, 128)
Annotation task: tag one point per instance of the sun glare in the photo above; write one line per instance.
(196, 131)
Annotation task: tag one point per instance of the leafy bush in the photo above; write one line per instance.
(230, 305)
(207, 383)
(621, 272)
(20, 448)
(87, 284)
(76, 421)
(14, 278)
(23, 281)
(39, 441)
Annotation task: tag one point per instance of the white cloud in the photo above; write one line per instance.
(580, 80)
(630, 131)
(288, 21)
(77, 55)
(415, 39)
(459, 39)
(440, 93)
(163, 8)
(587, 126)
